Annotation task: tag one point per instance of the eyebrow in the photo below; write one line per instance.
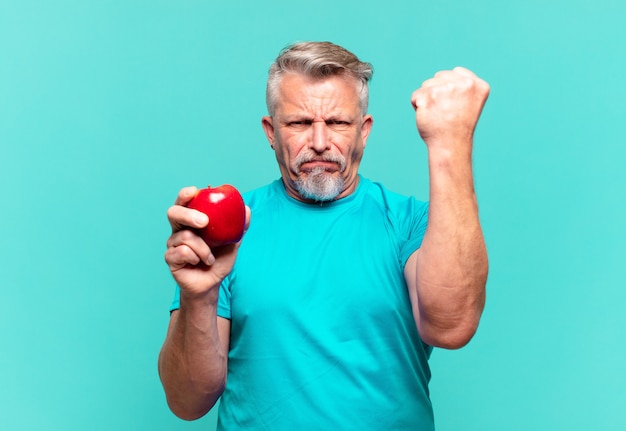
(305, 117)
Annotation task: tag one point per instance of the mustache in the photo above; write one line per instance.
(303, 158)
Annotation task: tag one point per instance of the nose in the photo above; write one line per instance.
(319, 137)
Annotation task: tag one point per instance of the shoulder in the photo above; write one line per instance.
(393, 203)
(406, 218)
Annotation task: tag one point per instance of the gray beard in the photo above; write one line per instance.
(319, 185)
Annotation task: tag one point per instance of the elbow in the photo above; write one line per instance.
(189, 398)
(454, 324)
(192, 408)
(449, 332)
(183, 413)
(450, 339)
(187, 412)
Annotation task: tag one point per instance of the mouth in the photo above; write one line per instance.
(320, 165)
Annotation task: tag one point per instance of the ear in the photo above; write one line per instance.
(366, 127)
(268, 128)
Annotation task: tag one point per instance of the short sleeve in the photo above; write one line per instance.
(223, 302)
(176, 301)
(415, 230)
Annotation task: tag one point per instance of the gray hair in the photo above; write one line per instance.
(317, 60)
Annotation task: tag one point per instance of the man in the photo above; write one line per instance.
(340, 288)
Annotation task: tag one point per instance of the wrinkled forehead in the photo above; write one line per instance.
(301, 90)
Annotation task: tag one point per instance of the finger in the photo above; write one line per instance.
(444, 75)
(183, 256)
(451, 76)
(431, 82)
(469, 79)
(180, 257)
(246, 225)
(188, 241)
(465, 72)
(184, 237)
(418, 98)
(185, 195)
(476, 80)
(181, 217)
(248, 218)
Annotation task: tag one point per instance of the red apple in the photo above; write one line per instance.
(226, 211)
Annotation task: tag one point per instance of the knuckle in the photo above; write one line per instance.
(184, 254)
(189, 256)
(186, 235)
(186, 193)
(466, 83)
(172, 212)
(171, 257)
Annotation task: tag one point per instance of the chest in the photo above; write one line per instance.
(325, 273)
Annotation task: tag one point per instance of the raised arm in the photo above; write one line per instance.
(447, 274)
(193, 359)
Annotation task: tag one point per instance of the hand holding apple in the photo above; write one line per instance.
(200, 258)
(226, 211)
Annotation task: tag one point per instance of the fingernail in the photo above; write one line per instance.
(210, 260)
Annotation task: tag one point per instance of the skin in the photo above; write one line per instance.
(447, 274)
(318, 117)
(446, 277)
(193, 359)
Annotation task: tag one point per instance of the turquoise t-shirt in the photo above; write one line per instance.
(322, 331)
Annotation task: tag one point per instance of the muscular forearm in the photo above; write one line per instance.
(192, 363)
(452, 261)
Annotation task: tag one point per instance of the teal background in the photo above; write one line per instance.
(107, 108)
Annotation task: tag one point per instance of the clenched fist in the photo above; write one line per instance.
(447, 108)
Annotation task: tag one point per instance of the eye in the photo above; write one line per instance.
(338, 124)
(299, 124)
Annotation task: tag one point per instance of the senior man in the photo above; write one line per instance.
(324, 316)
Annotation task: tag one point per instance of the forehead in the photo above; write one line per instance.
(297, 92)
